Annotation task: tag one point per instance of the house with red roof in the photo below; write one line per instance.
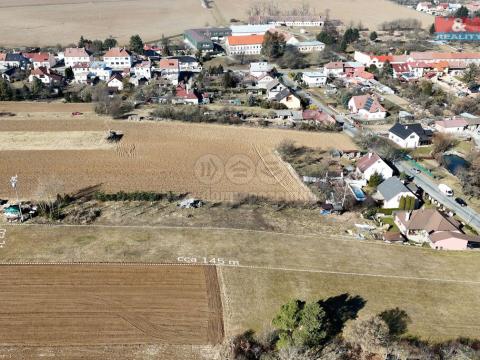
(41, 59)
(77, 55)
(244, 44)
(367, 107)
(372, 163)
(185, 95)
(318, 117)
(46, 76)
(115, 82)
(454, 126)
(118, 58)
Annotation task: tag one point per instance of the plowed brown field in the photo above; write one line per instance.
(161, 157)
(55, 305)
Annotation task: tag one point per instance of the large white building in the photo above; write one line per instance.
(244, 45)
(118, 58)
(245, 30)
(74, 56)
(409, 136)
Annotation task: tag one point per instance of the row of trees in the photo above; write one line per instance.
(35, 90)
(96, 46)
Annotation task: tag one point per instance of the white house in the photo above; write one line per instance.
(74, 56)
(45, 60)
(288, 99)
(100, 70)
(264, 80)
(391, 192)
(118, 58)
(260, 68)
(116, 82)
(274, 88)
(310, 46)
(143, 70)
(46, 76)
(188, 64)
(367, 107)
(335, 68)
(80, 72)
(314, 78)
(244, 45)
(409, 136)
(455, 126)
(371, 164)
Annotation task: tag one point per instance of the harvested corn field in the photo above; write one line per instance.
(58, 305)
(212, 162)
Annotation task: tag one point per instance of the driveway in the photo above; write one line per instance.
(469, 216)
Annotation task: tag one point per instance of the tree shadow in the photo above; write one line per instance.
(339, 309)
(87, 193)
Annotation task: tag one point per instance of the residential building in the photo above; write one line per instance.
(318, 117)
(118, 58)
(366, 107)
(258, 69)
(99, 70)
(45, 60)
(372, 163)
(74, 56)
(434, 228)
(310, 46)
(143, 70)
(116, 82)
(455, 126)
(334, 68)
(409, 136)
(391, 191)
(169, 66)
(186, 96)
(17, 60)
(81, 72)
(264, 80)
(314, 78)
(288, 99)
(244, 45)
(46, 76)
(247, 30)
(188, 64)
(273, 88)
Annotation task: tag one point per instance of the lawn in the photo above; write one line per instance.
(437, 289)
(393, 226)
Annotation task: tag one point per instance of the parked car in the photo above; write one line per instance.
(416, 171)
(461, 202)
(445, 189)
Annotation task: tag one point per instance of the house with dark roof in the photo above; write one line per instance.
(434, 228)
(14, 60)
(287, 98)
(410, 136)
(367, 107)
(391, 191)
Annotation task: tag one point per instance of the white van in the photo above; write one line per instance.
(445, 189)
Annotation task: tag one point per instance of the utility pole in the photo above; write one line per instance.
(13, 182)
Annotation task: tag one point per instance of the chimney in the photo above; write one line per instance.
(408, 215)
(369, 155)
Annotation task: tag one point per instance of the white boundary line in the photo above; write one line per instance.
(251, 267)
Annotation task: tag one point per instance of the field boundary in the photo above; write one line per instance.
(252, 267)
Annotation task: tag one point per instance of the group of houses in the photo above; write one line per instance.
(421, 64)
(403, 198)
(462, 126)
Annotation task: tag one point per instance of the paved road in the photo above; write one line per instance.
(348, 128)
(468, 215)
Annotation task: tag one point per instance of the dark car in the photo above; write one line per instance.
(461, 202)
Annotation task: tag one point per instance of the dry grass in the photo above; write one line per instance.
(439, 309)
(101, 305)
(123, 18)
(158, 157)
(59, 140)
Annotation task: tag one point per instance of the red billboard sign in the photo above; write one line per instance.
(463, 29)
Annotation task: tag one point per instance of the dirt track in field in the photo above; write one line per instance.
(58, 305)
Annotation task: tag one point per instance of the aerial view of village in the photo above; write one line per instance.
(240, 180)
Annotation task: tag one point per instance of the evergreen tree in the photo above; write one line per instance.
(273, 45)
(136, 44)
(109, 43)
(462, 12)
(373, 36)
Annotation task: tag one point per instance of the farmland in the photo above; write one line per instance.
(122, 18)
(152, 156)
(75, 305)
(273, 267)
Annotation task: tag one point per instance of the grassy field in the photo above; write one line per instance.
(123, 18)
(438, 289)
(208, 161)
